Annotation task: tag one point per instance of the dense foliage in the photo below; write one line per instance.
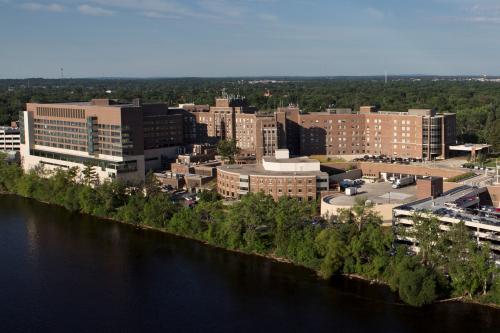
(352, 243)
(462, 177)
(477, 104)
(228, 150)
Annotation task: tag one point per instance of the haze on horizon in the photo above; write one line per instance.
(219, 38)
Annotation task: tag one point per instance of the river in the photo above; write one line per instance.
(64, 272)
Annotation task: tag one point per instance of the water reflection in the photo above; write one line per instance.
(68, 272)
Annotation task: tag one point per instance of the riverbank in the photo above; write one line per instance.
(76, 272)
(266, 256)
(287, 231)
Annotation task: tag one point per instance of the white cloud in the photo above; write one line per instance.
(94, 11)
(35, 7)
(476, 19)
(485, 9)
(471, 19)
(225, 10)
(474, 13)
(153, 8)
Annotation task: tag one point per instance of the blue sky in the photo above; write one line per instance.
(144, 38)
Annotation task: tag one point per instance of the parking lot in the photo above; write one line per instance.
(379, 193)
(387, 159)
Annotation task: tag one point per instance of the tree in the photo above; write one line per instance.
(250, 223)
(482, 268)
(152, 185)
(360, 214)
(89, 175)
(228, 150)
(130, 212)
(494, 295)
(425, 232)
(333, 251)
(417, 286)
(158, 210)
(9, 175)
(209, 196)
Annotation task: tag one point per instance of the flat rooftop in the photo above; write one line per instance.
(451, 196)
(378, 193)
(9, 128)
(302, 159)
(118, 105)
(470, 146)
(257, 169)
(455, 196)
(101, 102)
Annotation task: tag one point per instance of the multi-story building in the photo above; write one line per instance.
(232, 119)
(277, 176)
(9, 138)
(119, 140)
(163, 132)
(125, 139)
(416, 133)
(461, 204)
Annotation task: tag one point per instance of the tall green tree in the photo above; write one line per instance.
(228, 150)
(152, 186)
(427, 235)
(89, 175)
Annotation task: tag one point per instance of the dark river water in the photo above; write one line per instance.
(63, 272)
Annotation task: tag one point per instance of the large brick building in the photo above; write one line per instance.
(127, 139)
(416, 133)
(120, 140)
(232, 118)
(277, 176)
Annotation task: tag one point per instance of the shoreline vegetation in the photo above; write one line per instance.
(450, 266)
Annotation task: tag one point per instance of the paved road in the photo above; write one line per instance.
(479, 180)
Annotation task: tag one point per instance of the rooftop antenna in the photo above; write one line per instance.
(62, 73)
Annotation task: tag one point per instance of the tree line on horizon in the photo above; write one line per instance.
(448, 265)
(477, 104)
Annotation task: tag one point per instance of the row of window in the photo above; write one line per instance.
(60, 112)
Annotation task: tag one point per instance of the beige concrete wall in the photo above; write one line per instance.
(30, 162)
(385, 210)
(494, 192)
(370, 168)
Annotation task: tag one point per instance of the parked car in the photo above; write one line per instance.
(359, 181)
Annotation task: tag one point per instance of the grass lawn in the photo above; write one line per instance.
(326, 159)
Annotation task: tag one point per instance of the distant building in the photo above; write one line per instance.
(10, 138)
(277, 176)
